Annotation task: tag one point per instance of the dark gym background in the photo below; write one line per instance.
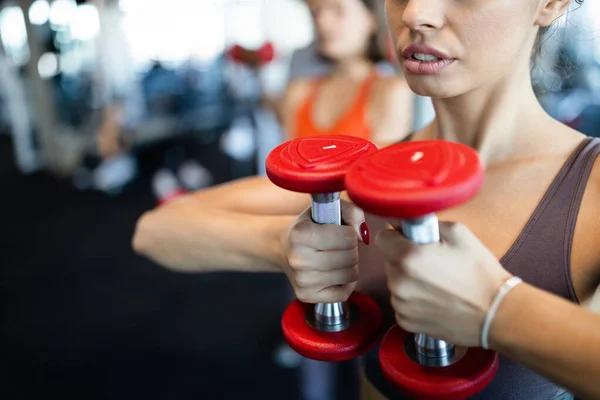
(83, 317)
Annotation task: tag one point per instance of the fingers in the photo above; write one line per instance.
(320, 280)
(332, 237)
(394, 246)
(455, 234)
(327, 276)
(324, 237)
(354, 217)
(323, 277)
(302, 258)
(323, 259)
(404, 320)
(332, 294)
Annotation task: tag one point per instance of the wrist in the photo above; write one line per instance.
(280, 244)
(501, 333)
(501, 287)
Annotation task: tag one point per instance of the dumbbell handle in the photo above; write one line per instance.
(426, 230)
(326, 209)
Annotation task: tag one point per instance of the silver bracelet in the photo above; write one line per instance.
(506, 287)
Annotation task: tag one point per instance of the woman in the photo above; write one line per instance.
(540, 196)
(473, 59)
(372, 106)
(349, 64)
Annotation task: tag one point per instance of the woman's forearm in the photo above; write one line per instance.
(551, 336)
(184, 236)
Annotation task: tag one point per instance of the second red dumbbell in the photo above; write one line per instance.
(407, 183)
(318, 165)
(261, 56)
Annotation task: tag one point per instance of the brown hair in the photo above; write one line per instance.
(375, 52)
(541, 37)
(539, 43)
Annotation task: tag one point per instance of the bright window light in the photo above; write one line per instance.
(48, 65)
(12, 27)
(85, 24)
(288, 24)
(14, 35)
(173, 31)
(39, 12)
(244, 23)
(61, 12)
(590, 16)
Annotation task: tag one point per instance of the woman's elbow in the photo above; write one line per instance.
(142, 235)
(155, 238)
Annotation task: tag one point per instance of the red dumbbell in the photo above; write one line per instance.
(261, 56)
(266, 53)
(408, 183)
(317, 165)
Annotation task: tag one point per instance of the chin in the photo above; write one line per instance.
(334, 52)
(327, 50)
(328, 57)
(432, 86)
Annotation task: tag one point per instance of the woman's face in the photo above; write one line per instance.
(343, 27)
(450, 47)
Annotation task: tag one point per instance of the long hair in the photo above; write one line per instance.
(375, 52)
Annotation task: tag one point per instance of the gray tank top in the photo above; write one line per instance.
(545, 242)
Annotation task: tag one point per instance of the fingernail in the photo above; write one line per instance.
(364, 233)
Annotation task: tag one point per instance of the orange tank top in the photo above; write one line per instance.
(352, 122)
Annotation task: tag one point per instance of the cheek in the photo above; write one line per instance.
(353, 35)
(494, 35)
(393, 20)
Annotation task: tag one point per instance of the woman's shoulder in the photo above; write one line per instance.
(390, 86)
(585, 259)
(390, 110)
(296, 92)
(299, 87)
(390, 93)
(592, 190)
(575, 155)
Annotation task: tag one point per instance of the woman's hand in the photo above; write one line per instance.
(322, 260)
(443, 289)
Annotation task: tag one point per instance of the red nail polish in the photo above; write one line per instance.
(364, 233)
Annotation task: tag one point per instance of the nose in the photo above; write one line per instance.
(423, 15)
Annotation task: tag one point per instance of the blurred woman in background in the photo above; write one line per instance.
(353, 98)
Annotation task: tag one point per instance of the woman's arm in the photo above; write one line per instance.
(445, 290)
(551, 336)
(238, 226)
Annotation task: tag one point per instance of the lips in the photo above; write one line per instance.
(425, 60)
(413, 49)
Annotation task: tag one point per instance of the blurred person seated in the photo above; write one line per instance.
(351, 66)
(346, 62)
